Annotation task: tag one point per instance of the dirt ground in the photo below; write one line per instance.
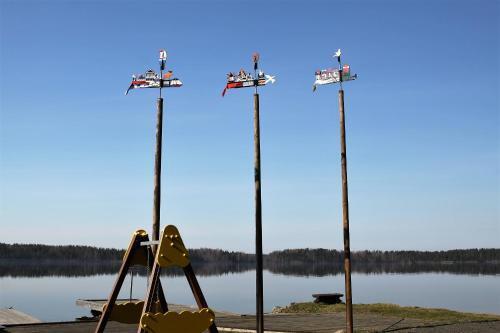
(483, 327)
(303, 323)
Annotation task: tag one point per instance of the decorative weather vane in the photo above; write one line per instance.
(328, 76)
(332, 75)
(244, 79)
(151, 79)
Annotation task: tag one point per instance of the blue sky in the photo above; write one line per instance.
(422, 122)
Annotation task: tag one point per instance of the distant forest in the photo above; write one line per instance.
(98, 254)
(324, 255)
(290, 257)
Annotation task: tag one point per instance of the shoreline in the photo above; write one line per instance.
(318, 318)
(385, 308)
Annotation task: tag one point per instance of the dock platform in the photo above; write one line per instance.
(277, 323)
(12, 316)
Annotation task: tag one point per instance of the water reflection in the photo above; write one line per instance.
(324, 269)
(32, 268)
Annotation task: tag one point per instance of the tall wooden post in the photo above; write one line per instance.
(258, 221)
(345, 217)
(157, 177)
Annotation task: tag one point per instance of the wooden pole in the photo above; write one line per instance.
(157, 177)
(197, 293)
(258, 221)
(134, 245)
(345, 217)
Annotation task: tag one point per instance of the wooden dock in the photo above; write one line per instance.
(12, 316)
(239, 324)
(275, 323)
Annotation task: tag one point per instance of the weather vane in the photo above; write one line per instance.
(151, 79)
(333, 75)
(328, 76)
(245, 80)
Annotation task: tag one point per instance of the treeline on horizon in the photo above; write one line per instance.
(290, 256)
(377, 256)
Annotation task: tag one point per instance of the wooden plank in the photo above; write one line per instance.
(13, 316)
(324, 322)
(298, 323)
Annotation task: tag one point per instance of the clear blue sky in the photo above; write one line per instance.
(422, 122)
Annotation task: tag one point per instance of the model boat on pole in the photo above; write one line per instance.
(245, 80)
(151, 79)
(333, 75)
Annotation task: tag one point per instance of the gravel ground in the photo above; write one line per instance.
(317, 323)
(477, 327)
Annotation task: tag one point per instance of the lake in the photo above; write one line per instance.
(51, 297)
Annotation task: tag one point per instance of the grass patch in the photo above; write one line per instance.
(427, 314)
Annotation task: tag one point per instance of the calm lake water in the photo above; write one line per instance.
(52, 298)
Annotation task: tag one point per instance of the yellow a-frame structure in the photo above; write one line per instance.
(152, 314)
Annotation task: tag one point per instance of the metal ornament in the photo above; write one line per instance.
(151, 79)
(245, 80)
(334, 75)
